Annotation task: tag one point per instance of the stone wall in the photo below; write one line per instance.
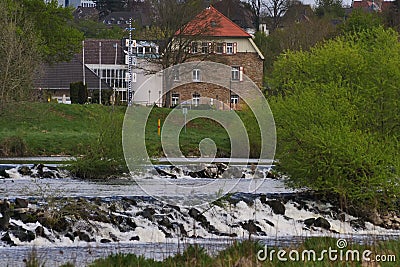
(252, 67)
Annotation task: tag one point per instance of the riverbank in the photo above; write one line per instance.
(253, 253)
(51, 129)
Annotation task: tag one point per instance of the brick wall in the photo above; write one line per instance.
(253, 68)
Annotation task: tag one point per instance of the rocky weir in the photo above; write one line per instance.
(76, 220)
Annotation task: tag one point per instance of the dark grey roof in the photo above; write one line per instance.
(92, 48)
(85, 13)
(60, 75)
(141, 16)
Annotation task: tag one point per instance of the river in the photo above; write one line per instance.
(154, 192)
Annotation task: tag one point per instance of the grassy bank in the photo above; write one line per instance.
(247, 254)
(44, 129)
(51, 129)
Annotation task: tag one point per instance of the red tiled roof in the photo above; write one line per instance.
(211, 22)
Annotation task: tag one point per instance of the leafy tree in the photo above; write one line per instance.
(392, 15)
(19, 56)
(329, 8)
(338, 119)
(98, 30)
(298, 36)
(359, 21)
(59, 40)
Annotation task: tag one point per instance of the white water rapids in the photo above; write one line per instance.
(286, 230)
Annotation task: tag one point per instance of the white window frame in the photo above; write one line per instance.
(205, 48)
(229, 48)
(196, 99)
(235, 73)
(234, 99)
(194, 49)
(196, 75)
(175, 99)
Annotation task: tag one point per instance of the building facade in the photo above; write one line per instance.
(74, 3)
(103, 67)
(224, 42)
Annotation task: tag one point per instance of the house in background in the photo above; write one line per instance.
(74, 3)
(103, 66)
(372, 6)
(54, 80)
(224, 42)
(140, 12)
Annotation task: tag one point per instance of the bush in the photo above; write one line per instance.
(336, 127)
(78, 93)
(13, 146)
(104, 157)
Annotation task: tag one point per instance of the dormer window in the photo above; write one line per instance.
(213, 24)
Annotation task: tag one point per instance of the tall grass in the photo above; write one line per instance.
(245, 254)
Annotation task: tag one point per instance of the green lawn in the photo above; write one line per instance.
(53, 129)
(58, 129)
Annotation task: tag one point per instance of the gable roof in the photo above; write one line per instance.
(60, 75)
(211, 22)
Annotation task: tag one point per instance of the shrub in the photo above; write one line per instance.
(78, 93)
(104, 157)
(336, 118)
(13, 146)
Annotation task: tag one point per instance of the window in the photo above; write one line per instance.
(229, 48)
(140, 50)
(219, 49)
(194, 49)
(234, 99)
(204, 48)
(196, 75)
(235, 73)
(196, 99)
(175, 74)
(175, 99)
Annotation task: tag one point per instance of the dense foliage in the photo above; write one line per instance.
(18, 53)
(99, 30)
(337, 111)
(59, 40)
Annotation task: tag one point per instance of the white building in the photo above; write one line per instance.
(108, 59)
(74, 3)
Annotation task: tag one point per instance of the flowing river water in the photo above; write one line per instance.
(287, 230)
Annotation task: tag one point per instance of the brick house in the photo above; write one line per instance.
(224, 42)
